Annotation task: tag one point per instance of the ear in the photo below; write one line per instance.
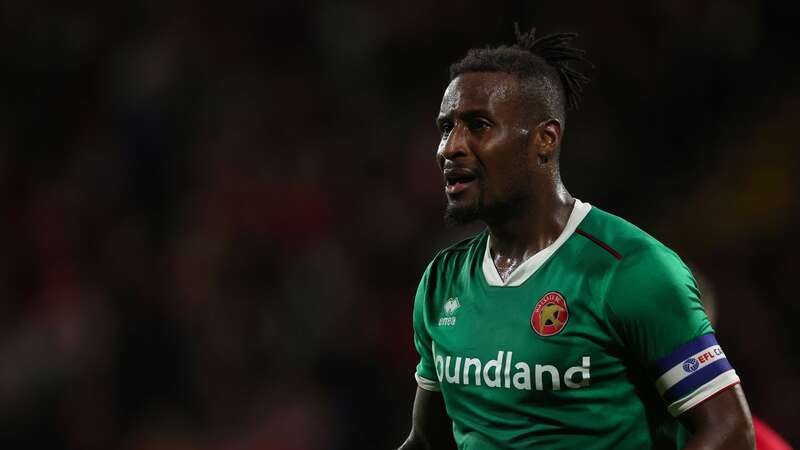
(547, 139)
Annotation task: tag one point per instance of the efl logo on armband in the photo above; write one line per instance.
(690, 367)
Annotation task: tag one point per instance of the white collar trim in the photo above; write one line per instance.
(532, 264)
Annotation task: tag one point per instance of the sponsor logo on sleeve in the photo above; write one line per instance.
(692, 368)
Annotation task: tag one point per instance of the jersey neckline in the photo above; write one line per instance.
(535, 262)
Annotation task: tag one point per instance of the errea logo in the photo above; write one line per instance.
(450, 307)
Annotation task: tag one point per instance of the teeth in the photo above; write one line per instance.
(460, 178)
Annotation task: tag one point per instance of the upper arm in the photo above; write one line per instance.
(653, 303)
(431, 427)
(654, 306)
(425, 374)
(721, 422)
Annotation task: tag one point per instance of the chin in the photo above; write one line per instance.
(485, 210)
(459, 214)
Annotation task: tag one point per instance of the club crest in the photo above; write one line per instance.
(550, 314)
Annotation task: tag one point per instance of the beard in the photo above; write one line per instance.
(455, 216)
(491, 211)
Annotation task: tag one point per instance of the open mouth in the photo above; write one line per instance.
(457, 180)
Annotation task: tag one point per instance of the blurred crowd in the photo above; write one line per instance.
(214, 217)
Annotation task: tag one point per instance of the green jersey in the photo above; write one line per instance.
(598, 341)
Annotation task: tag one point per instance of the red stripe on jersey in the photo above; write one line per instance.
(602, 244)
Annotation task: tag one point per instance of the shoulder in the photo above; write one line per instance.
(450, 266)
(645, 278)
(464, 245)
(620, 238)
(634, 261)
(443, 272)
(456, 254)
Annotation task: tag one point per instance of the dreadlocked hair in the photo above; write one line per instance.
(547, 58)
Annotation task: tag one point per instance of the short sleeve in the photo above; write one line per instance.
(426, 371)
(654, 306)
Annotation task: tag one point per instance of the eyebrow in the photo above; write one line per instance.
(468, 114)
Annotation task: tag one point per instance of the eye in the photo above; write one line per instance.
(478, 124)
(445, 128)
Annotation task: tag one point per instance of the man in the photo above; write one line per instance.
(560, 326)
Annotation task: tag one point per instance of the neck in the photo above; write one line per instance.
(539, 223)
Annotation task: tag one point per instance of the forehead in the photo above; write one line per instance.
(491, 91)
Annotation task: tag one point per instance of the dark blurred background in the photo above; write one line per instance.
(214, 216)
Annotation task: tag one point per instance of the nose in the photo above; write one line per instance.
(453, 146)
